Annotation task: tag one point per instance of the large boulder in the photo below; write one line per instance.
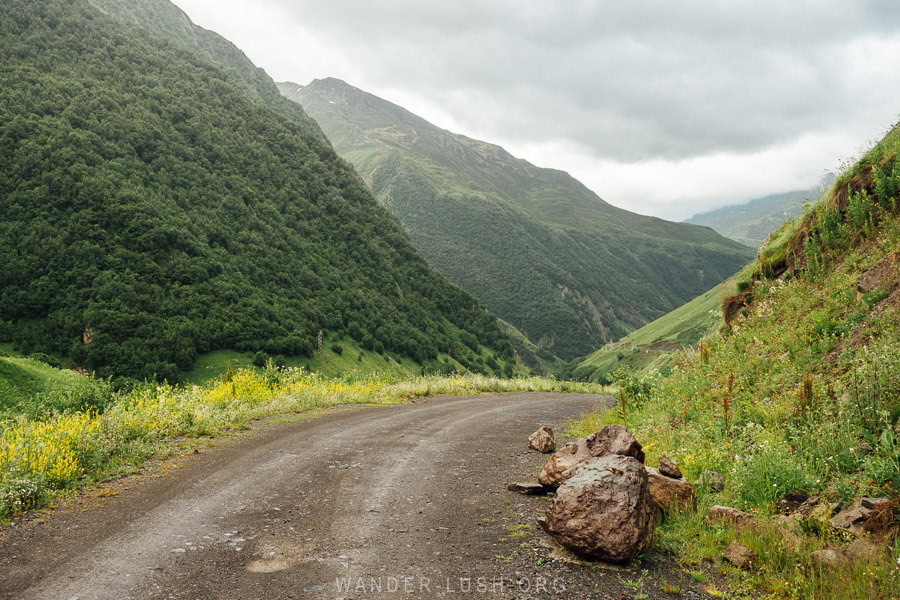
(670, 494)
(612, 439)
(604, 511)
(542, 440)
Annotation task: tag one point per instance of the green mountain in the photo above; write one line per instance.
(167, 23)
(155, 210)
(542, 251)
(751, 223)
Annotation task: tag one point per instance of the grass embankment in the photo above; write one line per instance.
(652, 346)
(30, 387)
(58, 450)
(800, 393)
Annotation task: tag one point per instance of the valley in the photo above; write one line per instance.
(542, 251)
(273, 340)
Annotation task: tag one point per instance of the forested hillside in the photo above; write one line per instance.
(165, 21)
(154, 209)
(542, 251)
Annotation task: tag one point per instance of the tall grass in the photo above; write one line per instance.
(67, 449)
(811, 372)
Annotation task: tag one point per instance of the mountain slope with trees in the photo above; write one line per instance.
(155, 210)
(164, 21)
(541, 250)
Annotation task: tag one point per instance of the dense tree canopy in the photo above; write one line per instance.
(156, 209)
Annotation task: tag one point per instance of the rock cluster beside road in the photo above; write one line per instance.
(607, 502)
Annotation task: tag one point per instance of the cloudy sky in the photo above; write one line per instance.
(662, 107)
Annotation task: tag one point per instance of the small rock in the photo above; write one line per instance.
(542, 440)
(712, 480)
(827, 558)
(788, 528)
(806, 507)
(529, 489)
(669, 468)
(864, 447)
(611, 440)
(883, 522)
(738, 555)
(669, 493)
(722, 515)
(823, 511)
(855, 516)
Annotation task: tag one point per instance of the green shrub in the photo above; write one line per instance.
(260, 359)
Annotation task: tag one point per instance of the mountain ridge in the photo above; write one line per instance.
(752, 221)
(165, 21)
(555, 260)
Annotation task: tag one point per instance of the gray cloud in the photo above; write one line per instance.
(627, 80)
(621, 81)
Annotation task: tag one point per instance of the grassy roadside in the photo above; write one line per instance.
(793, 421)
(799, 393)
(50, 455)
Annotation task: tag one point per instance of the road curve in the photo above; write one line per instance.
(367, 502)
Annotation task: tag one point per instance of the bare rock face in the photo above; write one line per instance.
(669, 468)
(670, 494)
(612, 439)
(725, 515)
(604, 511)
(542, 440)
(738, 554)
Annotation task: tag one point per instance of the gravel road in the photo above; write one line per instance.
(405, 501)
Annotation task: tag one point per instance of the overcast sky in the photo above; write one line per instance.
(662, 107)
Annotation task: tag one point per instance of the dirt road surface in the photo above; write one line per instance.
(405, 501)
